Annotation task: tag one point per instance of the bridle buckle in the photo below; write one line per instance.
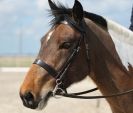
(58, 88)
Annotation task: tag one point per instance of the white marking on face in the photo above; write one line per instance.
(49, 35)
(123, 40)
(64, 22)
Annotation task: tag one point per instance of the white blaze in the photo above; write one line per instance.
(64, 22)
(49, 35)
(123, 40)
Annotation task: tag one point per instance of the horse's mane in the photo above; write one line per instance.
(62, 11)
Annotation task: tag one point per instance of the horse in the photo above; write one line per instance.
(81, 44)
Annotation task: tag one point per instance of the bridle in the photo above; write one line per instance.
(59, 76)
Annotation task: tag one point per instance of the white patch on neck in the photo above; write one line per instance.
(49, 35)
(123, 40)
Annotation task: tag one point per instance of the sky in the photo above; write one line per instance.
(24, 22)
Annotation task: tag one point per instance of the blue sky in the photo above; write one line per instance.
(24, 22)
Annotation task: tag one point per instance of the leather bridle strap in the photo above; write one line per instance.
(47, 67)
(74, 95)
(84, 92)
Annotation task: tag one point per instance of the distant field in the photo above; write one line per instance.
(16, 61)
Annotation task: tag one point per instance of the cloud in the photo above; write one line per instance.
(106, 5)
(33, 12)
(30, 17)
(118, 11)
(42, 4)
(6, 6)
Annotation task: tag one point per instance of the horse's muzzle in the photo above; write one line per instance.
(29, 101)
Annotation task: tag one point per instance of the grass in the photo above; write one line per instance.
(16, 61)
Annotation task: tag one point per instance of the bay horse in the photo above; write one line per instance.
(81, 44)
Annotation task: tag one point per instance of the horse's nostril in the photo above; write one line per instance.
(28, 96)
(29, 100)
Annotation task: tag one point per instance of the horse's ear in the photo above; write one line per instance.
(77, 11)
(52, 5)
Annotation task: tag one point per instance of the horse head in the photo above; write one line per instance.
(62, 55)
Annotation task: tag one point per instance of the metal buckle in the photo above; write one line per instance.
(77, 49)
(57, 88)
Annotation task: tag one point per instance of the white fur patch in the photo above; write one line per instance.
(49, 35)
(64, 22)
(123, 40)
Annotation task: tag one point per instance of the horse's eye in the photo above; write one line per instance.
(66, 45)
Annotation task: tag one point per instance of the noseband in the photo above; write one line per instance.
(59, 75)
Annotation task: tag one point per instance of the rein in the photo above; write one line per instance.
(76, 95)
(59, 76)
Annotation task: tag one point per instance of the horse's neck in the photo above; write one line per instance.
(107, 70)
(104, 53)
